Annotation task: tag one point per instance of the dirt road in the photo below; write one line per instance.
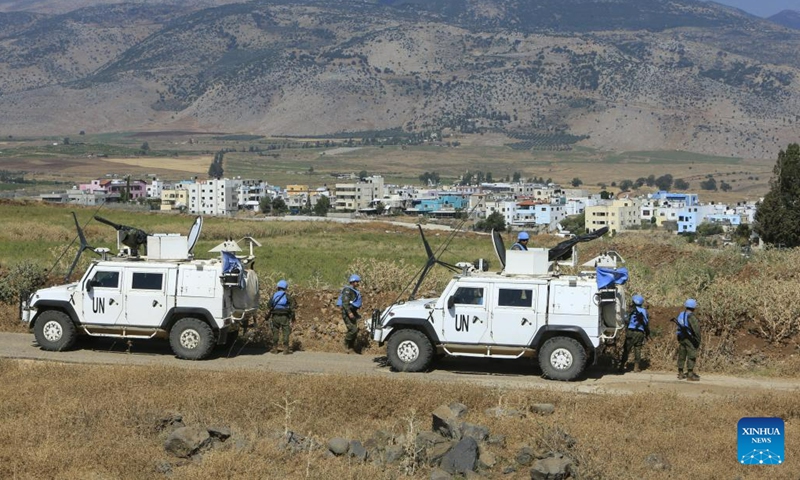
(491, 373)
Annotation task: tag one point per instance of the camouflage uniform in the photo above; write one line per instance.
(637, 332)
(687, 351)
(282, 319)
(350, 295)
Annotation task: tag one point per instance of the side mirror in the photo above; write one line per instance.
(451, 302)
(91, 284)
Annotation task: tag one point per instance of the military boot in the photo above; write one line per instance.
(636, 368)
(693, 377)
(681, 375)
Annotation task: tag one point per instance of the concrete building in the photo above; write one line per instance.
(359, 195)
(618, 215)
(214, 197)
(135, 188)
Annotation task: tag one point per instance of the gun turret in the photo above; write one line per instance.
(131, 237)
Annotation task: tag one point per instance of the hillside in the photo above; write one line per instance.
(787, 18)
(617, 75)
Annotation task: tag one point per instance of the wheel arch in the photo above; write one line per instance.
(61, 306)
(419, 324)
(547, 332)
(177, 313)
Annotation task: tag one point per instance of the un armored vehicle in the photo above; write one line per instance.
(167, 293)
(528, 310)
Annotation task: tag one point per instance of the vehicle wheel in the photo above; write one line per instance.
(54, 331)
(562, 358)
(191, 339)
(409, 351)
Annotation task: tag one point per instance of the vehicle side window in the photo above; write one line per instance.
(147, 281)
(469, 296)
(509, 297)
(106, 279)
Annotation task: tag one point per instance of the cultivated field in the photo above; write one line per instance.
(281, 161)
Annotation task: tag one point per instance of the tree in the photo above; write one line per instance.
(488, 177)
(216, 170)
(650, 180)
(279, 206)
(725, 186)
(577, 182)
(495, 221)
(66, 141)
(363, 174)
(380, 208)
(606, 195)
(777, 219)
(575, 224)
(709, 184)
(664, 182)
(640, 182)
(145, 148)
(515, 178)
(706, 229)
(681, 184)
(322, 206)
(626, 185)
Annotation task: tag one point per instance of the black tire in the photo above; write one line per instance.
(409, 351)
(54, 331)
(191, 339)
(562, 358)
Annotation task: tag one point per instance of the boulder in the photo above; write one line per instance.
(338, 446)
(220, 433)
(435, 453)
(393, 454)
(524, 456)
(552, 468)
(462, 458)
(187, 441)
(170, 422)
(382, 438)
(439, 474)
(478, 432)
(509, 469)
(458, 409)
(543, 408)
(358, 451)
(486, 459)
(445, 422)
(428, 439)
(501, 412)
(498, 440)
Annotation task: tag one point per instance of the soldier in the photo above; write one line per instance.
(350, 302)
(688, 340)
(282, 313)
(522, 241)
(638, 331)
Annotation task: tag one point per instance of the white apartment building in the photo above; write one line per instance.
(214, 197)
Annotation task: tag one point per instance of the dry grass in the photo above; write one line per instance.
(70, 421)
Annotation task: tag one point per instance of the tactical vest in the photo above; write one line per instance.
(280, 300)
(521, 246)
(683, 321)
(637, 319)
(355, 303)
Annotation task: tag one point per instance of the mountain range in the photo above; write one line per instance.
(608, 74)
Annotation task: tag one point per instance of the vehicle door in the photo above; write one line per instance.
(146, 296)
(466, 315)
(513, 321)
(102, 297)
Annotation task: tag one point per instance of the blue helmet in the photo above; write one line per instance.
(354, 278)
(691, 303)
(523, 236)
(638, 300)
(283, 284)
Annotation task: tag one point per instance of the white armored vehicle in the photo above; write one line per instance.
(526, 310)
(196, 304)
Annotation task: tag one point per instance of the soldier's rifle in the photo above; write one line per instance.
(687, 332)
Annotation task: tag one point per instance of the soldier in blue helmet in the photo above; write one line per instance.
(282, 307)
(688, 340)
(350, 302)
(522, 241)
(638, 330)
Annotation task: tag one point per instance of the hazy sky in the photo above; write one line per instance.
(763, 8)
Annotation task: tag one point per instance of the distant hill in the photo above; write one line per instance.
(787, 18)
(611, 74)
